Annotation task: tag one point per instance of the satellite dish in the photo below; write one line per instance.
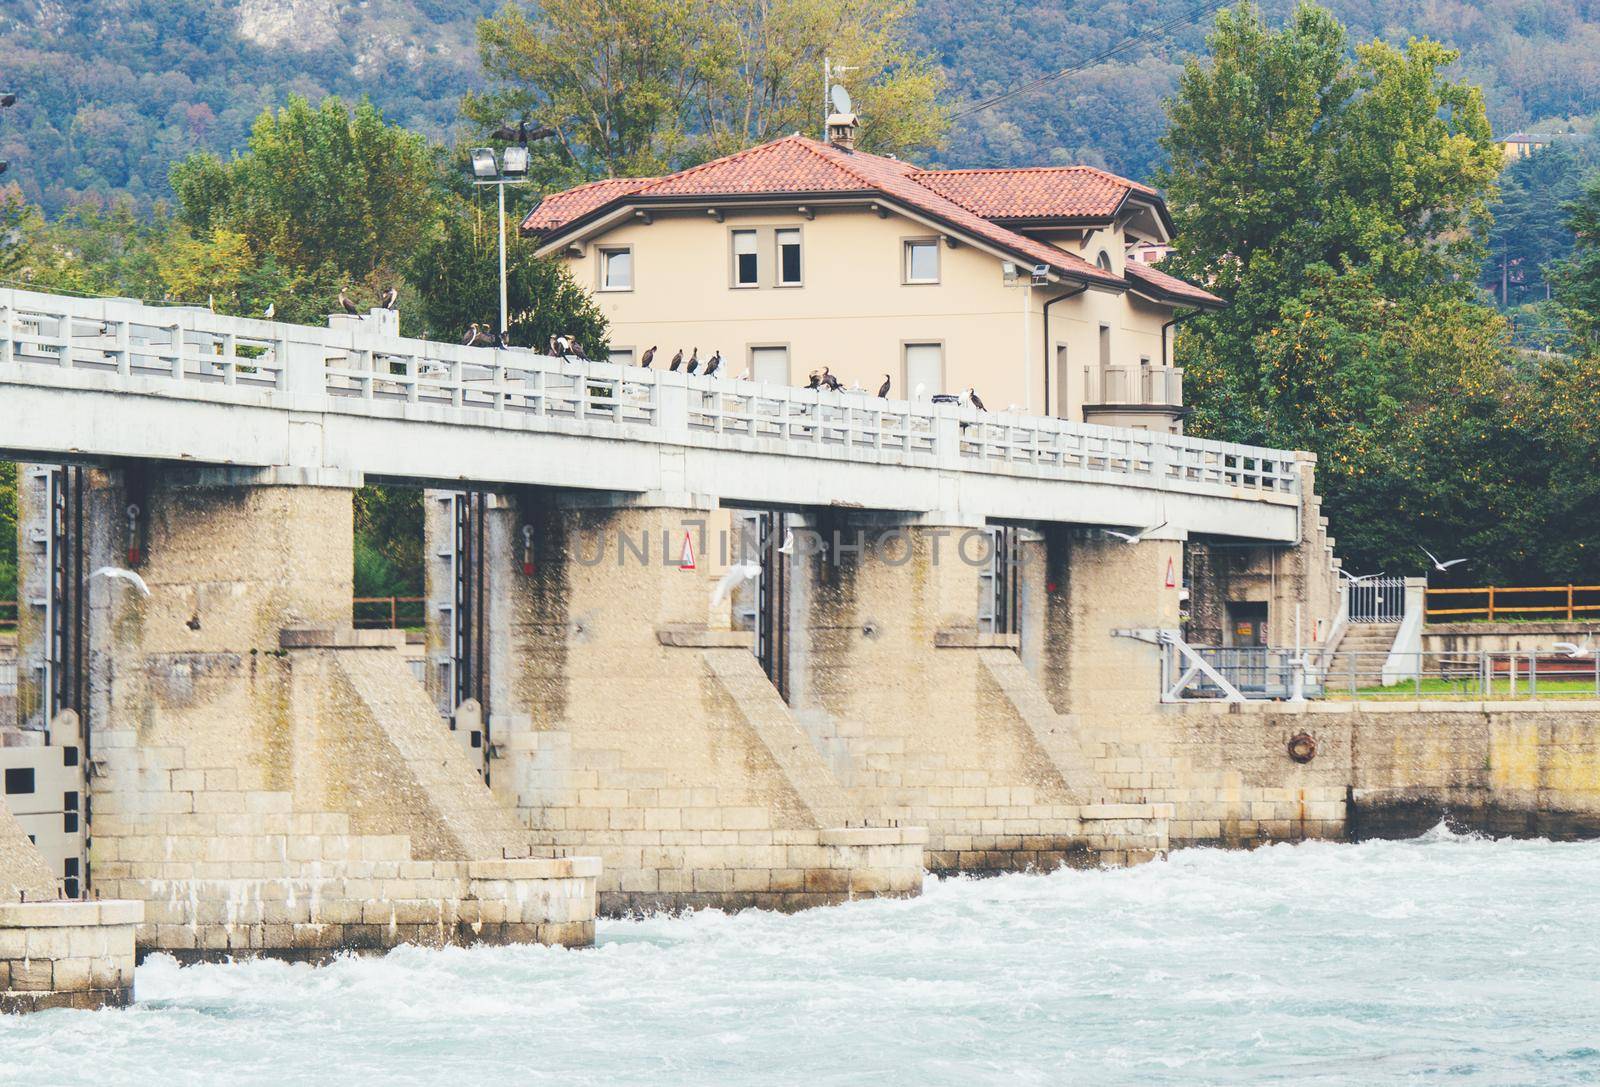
(841, 99)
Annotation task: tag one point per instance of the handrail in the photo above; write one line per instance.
(392, 603)
(187, 351)
(1495, 602)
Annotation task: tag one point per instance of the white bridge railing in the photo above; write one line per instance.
(183, 348)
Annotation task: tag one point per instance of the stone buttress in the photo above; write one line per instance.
(268, 781)
(625, 724)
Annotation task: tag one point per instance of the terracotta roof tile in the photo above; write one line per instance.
(1036, 192)
(797, 164)
(1168, 285)
(563, 207)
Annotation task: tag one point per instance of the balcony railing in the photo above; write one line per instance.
(1137, 384)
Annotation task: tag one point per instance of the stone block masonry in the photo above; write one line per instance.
(925, 720)
(622, 725)
(66, 954)
(267, 781)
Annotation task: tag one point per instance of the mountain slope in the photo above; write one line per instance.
(112, 92)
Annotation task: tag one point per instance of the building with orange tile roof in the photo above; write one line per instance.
(798, 254)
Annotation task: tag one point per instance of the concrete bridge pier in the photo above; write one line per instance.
(267, 780)
(926, 718)
(627, 721)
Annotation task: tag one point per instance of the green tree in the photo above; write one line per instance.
(457, 279)
(638, 87)
(1577, 280)
(1334, 198)
(1530, 232)
(318, 188)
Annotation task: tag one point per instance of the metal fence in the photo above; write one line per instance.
(390, 612)
(1377, 600)
(1257, 672)
(1490, 602)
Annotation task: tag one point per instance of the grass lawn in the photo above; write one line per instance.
(1468, 688)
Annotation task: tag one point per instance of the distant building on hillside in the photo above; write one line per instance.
(1519, 145)
(798, 254)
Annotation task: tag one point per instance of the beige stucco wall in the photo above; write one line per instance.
(854, 314)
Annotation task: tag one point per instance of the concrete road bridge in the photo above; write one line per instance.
(226, 749)
(114, 378)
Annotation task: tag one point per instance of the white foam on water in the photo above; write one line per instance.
(1447, 959)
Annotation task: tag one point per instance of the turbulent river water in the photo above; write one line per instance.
(1440, 960)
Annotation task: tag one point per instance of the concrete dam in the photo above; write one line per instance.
(689, 642)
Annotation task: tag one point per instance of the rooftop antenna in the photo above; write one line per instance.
(833, 94)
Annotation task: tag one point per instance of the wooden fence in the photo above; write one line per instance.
(1489, 602)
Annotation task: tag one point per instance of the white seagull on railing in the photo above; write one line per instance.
(126, 575)
(1437, 565)
(742, 571)
(1134, 537)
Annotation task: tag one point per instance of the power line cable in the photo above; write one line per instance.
(1161, 30)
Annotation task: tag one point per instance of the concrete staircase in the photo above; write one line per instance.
(1364, 648)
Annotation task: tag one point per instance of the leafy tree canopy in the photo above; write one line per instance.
(638, 87)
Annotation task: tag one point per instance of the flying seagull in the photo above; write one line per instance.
(391, 297)
(1575, 649)
(883, 390)
(350, 307)
(1134, 537)
(649, 357)
(714, 362)
(126, 575)
(677, 361)
(1440, 566)
(738, 572)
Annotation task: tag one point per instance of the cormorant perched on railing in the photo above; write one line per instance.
(815, 381)
(677, 361)
(974, 400)
(349, 306)
(649, 357)
(391, 298)
(694, 362)
(711, 366)
(883, 390)
(829, 381)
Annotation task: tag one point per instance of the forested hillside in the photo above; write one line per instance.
(114, 91)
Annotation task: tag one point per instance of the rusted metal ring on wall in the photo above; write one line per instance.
(1302, 747)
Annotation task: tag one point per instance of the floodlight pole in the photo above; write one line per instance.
(500, 191)
(500, 181)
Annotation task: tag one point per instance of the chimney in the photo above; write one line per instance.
(842, 130)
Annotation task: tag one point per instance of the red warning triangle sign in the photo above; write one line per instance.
(686, 560)
(1172, 576)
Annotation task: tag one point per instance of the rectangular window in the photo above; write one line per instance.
(1105, 346)
(746, 269)
(789, 258)
(922, 261)
(616, 269)
(924, 370)
(19, 779)
(1063, 400)
(770, 364)
(622, 356)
